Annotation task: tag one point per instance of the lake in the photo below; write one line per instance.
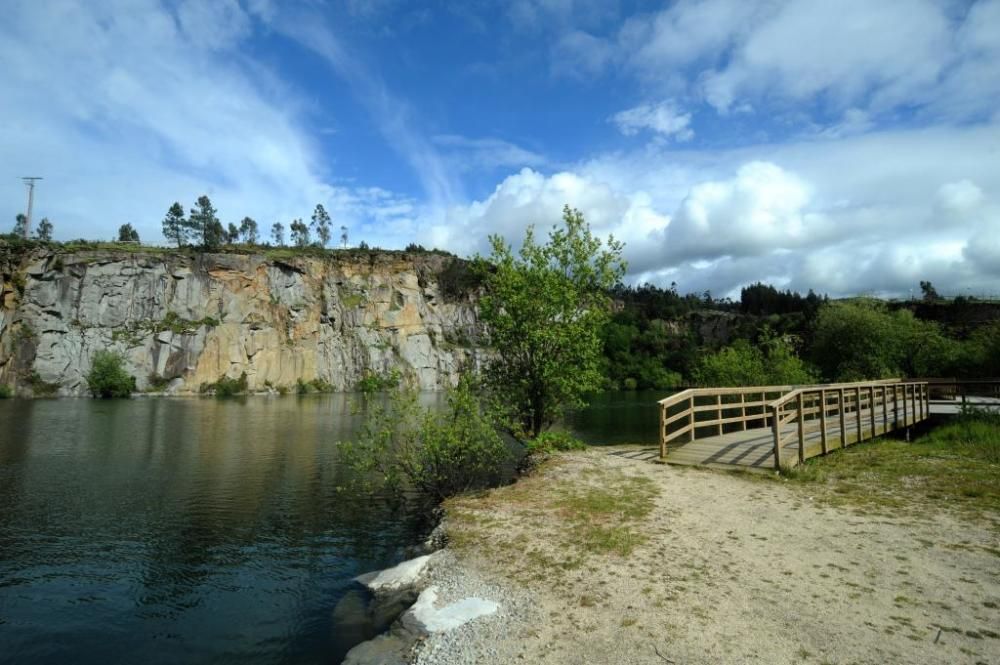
(199, 530)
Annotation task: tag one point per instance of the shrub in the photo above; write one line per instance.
(6, 392)
(372, 382)
(228, 387)
(439, 454)
(630, 384)
(107, 377)
(548, 442)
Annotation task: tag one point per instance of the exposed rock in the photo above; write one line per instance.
(401, 575)
(425, 618)
(193, 319)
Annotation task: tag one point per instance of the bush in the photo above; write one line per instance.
(227, 387)
(372, 382)
(107, 377)
(742, 364)
(630, 384)
(6, 392)
(439, 454)
(548, 442)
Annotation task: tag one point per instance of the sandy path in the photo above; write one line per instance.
(732, 570)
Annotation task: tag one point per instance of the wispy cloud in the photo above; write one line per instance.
(663, 119)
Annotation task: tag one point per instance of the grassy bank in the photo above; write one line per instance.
(956, 465)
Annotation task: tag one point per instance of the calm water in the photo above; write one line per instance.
(200, 530)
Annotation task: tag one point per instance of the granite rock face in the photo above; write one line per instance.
(185, 320)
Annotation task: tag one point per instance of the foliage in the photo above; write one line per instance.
(317, 385)
(248, 231)
(545, 308)
(6, 392)
(20, 225)
(549, 442)
(204, 226)
(278, 234)
(928, 291)
(232, 234)
(44, 230)
(300, 233)
(40, 387)
(773, 362)
(763, 299)
(126, 233)
(458, 279)
(321, 225)
(373, 382)
(107, 377)
(440, 454)
(227, 386)
(175, 225)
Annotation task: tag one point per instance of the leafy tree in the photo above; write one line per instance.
(321, 225)
(545, 308)
(929, 292)
(127, 234)
(20, 225)
(232, 234)
(44, 230)
(175, 227)
(107, 376)
(300, 233)
(248, 231)
(343, 237)
(441, 454)
(278, 234)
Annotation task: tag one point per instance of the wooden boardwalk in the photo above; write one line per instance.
(768, 427)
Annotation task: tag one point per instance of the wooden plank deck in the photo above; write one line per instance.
(754, 448)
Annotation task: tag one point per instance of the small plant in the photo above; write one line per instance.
(6, 392)
(157, 383)
(107, 377)
(549, 442)
(372, 382)
(228, 387)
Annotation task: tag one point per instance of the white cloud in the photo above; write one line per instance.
(662, 118)
(486, 153)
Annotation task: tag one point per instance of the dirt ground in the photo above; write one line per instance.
(626, 561)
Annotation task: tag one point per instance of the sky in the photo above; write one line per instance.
(850, 147)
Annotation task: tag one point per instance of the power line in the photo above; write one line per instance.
(29, 181)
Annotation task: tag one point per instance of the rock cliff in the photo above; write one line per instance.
(184, 320)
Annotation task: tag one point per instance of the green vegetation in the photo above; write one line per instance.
(108, 378)
(545, 308)
(6, 392)
(134, 333)
(404, 446)
(374, 382)
(771, 362)
(550, 442)
(227, 386)
(126, 233)
(317, 385)
(955, 465)
(41, 387)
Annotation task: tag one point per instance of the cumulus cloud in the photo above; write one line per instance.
(663, 118)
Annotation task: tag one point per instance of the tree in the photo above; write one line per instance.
(20, 225)
(321, 225)
(300, 233)
(278, 234)
(545, 308)
(107, 376)
(127, 234)
(204, 225)
(929, 292)
(343, 237)
(248, 231)
(232, 234)
(771, 363)
(44, 230)
(175, 227)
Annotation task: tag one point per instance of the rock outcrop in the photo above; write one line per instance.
(186, 320)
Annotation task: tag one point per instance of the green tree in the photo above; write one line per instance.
(127, 234)
(204, 225)
(278, 234)
(20, 224)
(545, 308)
(299, 233)
(402, 445)
(321, 225)
(929, 292)
(175, 226)
(107, 376)
(44, 230)
(232, 234)
(248, 231)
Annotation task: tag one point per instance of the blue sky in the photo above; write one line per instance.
(849, 147)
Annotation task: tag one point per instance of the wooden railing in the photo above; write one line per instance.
(702, 412)
(952, 389)
(873, 408)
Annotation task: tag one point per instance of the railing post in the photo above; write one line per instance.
(895, 406)
(906, 416)
(885, 410)
(822, 421)
(871, 409)
(843, 418)
(743, 411)
(776, 427)
(913, 402)
(857, 410)
(691, 419)
(718, 413)
(802, 430)
(663, 431)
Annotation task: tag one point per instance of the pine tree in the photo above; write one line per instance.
(278, 234)
(321, 225)
(204, 225)
(248, 231)
(232, 234)
(175, 227)
(20, 225)
(127, 234)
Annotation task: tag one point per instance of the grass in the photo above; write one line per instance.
(956, 464)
